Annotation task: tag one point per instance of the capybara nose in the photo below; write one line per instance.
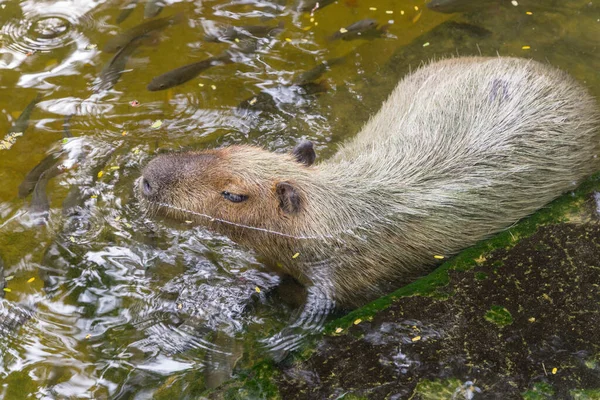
(147, 189)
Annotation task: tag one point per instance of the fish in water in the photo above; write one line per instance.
(183, 74)
(127, 10)
(39, 199)
(315, 73)
(20, 125)
(238, 32)
(47, 163)
(454, 6)
(118, 42)
(364, 29)
(32, 178)
(22, 122)
(309, 5)
(111, 73)
(153, 8)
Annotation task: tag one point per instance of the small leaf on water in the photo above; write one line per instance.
(357, 321)
(31, 280)
(156, 124)
(257, 289)
(416, 338)
(7, 289)
(88, 336)
(338, 330)
(100, 174)
(296, 255)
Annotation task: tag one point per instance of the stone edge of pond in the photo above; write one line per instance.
(258, 383)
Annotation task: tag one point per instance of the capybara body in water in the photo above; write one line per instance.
(461, 149)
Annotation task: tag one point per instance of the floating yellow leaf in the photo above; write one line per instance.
(389, 12)
(426, 44)
(343, 30)
(338, 330)
(94, 196)
(9, 278)
(213, 87)
(296, 255)
(236, 40)
(128, 225)
(188, 222)
(514, 3)
(100, 174)
(373, 8)
(438, 257)
(201, 84)
(253, 101)
(417, 17)
(287, 39)
(554, 371)
(124, 133)
(114, 168)
(416, 338)
(532, 319)
(88, 336)
(528, 13)
(416, 8)
(179, 306)
(401, 12)
(156, 124)
(257, 289)
(7, 289)
(357, 321)
(72, 239)
(526, 47)
(30, 280)
(118, 218)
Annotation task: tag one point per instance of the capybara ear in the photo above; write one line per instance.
(304, 152)
(289, 199)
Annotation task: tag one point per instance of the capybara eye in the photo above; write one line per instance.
(235, 198)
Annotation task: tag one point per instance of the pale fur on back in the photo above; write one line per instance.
(461, 149)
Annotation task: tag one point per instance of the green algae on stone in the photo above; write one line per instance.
(438, 389)
(499, 315)
(539, 391)
(585, 394)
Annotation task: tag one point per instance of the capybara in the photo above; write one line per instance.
(460, 150)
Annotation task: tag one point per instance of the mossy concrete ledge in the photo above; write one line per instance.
(516, 316)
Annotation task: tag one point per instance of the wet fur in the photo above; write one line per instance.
(462, 149)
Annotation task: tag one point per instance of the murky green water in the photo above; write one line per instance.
(101, 302)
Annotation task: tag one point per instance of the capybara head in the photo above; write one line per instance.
(229, 189)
